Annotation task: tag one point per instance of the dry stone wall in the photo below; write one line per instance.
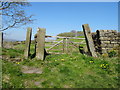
(106, 40)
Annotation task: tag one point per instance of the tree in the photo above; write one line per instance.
(67, 34)
(13, 14)
(73, 31)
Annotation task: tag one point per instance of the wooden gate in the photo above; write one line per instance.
(64, 45)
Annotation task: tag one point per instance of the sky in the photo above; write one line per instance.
(59, 17)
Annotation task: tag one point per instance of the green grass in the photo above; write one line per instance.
(11, 75)
(80, 37)
(61, 71)
(12, 53)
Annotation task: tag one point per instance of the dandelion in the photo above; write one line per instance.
(104, 66)
(100, 65)
(62, 59)
(91, 61)
(17, 63)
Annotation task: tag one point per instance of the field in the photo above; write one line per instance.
(73, 70)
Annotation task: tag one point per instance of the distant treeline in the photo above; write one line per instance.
(72, 33)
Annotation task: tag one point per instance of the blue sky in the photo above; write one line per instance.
(58, 17)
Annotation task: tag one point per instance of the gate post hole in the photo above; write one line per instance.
(40, 45)
(28, 42)
(89, 40)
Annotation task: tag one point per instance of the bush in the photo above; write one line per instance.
(112, 53)
(71, 34)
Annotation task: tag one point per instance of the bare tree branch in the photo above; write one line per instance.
(13, 15)
(5, 6)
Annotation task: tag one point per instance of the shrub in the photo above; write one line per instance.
(112, 53)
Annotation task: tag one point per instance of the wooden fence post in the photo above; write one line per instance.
(66, 43)
(1, 39)
(40, 45)
(63, 45)
(28, 42)
(66, 48)
(89, 40)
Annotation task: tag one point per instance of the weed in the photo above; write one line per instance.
(112, 53)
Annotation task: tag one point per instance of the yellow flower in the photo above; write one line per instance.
(62, 59)
(17, 63)
(104, 66)
(91, 61)
(55, 60)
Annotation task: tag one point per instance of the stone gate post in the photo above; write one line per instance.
(40, 43)
(28, 42)
(89, 40)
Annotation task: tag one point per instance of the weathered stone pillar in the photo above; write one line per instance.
(89, 40)
(1, 39)
(40, 45)
(28, 42)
